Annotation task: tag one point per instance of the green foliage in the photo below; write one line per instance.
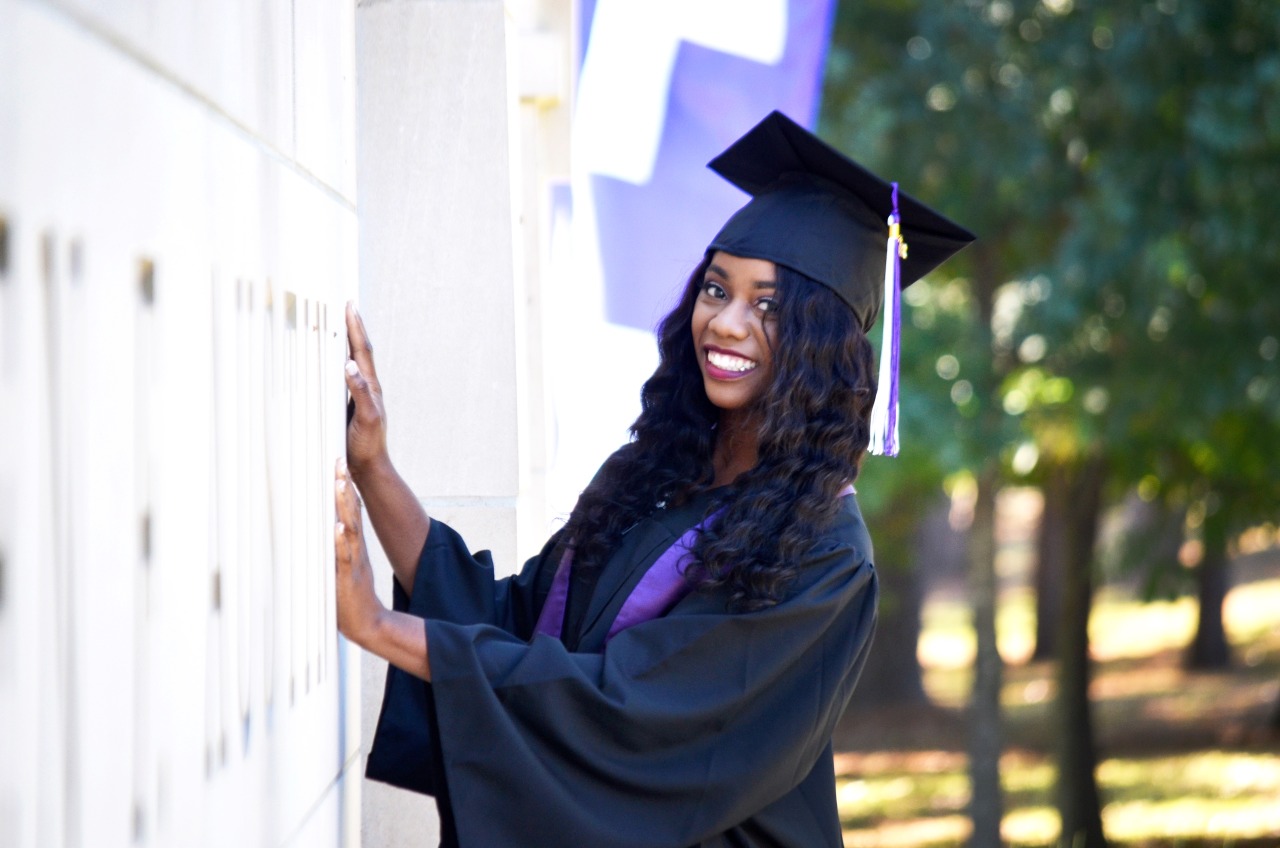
(1121, 166)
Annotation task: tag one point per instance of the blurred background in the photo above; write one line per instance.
(1079, 543)
(1087, 500)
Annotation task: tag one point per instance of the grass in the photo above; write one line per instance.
(1186, 758)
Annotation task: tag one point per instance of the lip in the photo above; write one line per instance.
(723, 374)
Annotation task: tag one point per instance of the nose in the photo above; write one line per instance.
(731, 322)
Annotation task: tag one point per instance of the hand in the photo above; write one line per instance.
(360, 613)
(367, 430)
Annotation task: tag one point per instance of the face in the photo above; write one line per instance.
(733, 330)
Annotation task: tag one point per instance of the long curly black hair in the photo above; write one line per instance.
(813, 433)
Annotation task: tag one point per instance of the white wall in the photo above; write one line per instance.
(178, 232)
(177, 192)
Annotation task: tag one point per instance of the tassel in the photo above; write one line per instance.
(884, 414)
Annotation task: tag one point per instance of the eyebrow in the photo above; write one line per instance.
(760, 284)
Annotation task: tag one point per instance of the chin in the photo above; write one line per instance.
(730, 398)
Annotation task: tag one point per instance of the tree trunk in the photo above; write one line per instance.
(986, 805)
(1209, 649)
(1051, 550)
(986, 742)
(1077, 790)
(892, 676)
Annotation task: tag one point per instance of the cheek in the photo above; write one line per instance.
(698, 321)
(770, 335)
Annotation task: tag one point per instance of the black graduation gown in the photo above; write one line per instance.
(698, 728)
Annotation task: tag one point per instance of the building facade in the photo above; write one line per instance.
(189, 193)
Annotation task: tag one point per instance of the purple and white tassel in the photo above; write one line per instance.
(884, 414)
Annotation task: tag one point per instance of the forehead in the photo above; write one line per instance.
(742, 268)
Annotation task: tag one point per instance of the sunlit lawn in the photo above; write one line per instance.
(1185, 758)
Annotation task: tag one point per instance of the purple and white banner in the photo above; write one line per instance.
(663, 86)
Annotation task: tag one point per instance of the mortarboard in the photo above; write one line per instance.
(818, 212)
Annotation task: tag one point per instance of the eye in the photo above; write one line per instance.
(713, 289)
(767, 305)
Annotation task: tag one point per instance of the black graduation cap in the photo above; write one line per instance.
(818, 212)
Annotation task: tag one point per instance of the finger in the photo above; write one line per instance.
(341, 477)
(361, 347)
(346, 551)
(358, 385)
(340, 548)
(348, 505)
(339, 501)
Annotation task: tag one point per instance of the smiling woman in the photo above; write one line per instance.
(668, 671)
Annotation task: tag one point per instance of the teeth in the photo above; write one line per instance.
(729, 362)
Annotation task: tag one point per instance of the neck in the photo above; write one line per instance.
(737, 445)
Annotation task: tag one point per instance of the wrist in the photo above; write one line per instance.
(370, 472)
(372, 634)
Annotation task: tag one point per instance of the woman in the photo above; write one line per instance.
(668, 671)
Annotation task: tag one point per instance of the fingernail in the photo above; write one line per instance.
(339, 528)
(342, 484)
(342, 465)
(352, 368)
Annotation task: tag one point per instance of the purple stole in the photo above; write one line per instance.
(660, 589)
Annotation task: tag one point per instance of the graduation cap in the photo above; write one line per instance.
(818, 212)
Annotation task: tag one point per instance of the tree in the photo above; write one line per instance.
(1121, 164)
(896, 494)
(1161, 323)
(892, 676)
(1050, 568)
(1079, 804)
(911, 91)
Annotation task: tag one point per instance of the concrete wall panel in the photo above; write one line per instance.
(324, 66)
(439, 288)
(437, 261)
(171, 283)
(237, 55)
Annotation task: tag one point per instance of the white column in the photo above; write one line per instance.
(439, 290)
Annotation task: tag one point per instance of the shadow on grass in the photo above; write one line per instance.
(1186, 758)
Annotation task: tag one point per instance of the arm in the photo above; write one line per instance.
(454, 584)
(397, 637)
(399, 520)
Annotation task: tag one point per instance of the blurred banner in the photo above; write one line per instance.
(663, 86)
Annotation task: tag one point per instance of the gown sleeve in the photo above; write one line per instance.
(682, 728)
(450, 584)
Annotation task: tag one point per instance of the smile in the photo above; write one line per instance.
(730, 362)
